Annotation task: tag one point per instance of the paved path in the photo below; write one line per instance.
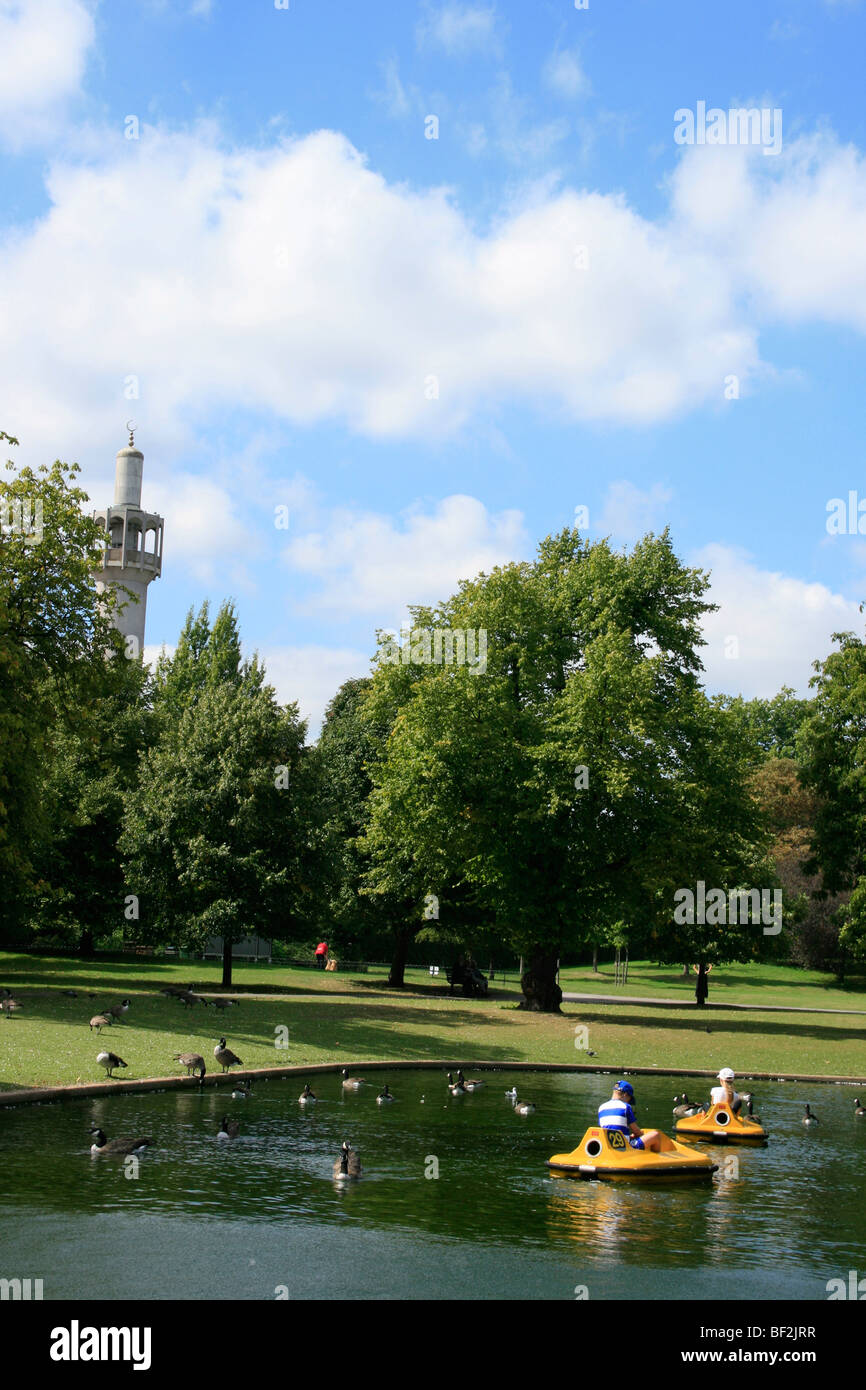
(688, 1003)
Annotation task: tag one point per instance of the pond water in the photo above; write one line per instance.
(260, 1216)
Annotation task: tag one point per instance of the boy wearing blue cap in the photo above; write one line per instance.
(617, 1113)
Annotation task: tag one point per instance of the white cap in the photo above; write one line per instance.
(726, 1074)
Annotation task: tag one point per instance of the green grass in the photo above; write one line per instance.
(337, 1017)
(729, 984)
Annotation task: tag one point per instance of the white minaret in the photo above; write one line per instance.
(133, 556)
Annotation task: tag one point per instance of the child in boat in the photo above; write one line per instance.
(725, 1093)
(617, 1113)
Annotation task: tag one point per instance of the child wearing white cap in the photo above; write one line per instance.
(725, 1093)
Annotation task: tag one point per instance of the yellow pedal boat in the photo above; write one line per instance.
(719, 1125)
(606, 1153)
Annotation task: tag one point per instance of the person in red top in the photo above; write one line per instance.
(321, 954)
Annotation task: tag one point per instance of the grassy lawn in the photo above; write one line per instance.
(331, 1017)
(729, 984)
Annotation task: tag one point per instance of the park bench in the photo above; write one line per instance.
(473, 983)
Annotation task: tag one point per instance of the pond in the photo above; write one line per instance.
(260, 1216)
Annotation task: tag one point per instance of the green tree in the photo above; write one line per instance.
(556, 792)
(54, 634)
(217, 838)
(831, 749)
(91, 775)
(346, 751)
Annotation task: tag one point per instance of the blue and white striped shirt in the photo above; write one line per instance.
(616, 1114)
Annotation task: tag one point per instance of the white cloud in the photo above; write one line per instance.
(393, 95)
(312, 676)
(781, 625)
(203, 533)
(297, 282)
(43, 51)
(791, 227)
(368, 564)
(564, 74)
(629, 512)
(459, 29)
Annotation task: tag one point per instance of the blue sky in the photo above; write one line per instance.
(432, 350)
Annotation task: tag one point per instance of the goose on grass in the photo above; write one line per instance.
(193, 1063)
(225, 1056)
(110, 1060)
(117, 1010)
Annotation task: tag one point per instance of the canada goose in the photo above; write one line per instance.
(455, 1087)
(348, 1165)
(10, 1006)
(858, 1108)
(468, 1085)
(242, 1091)
(384, 1097)
(512, 1094)
(118, 1010)
(100, 1021)
(229, 1129)
(225, 1056)
(175, 991)
(352, 1083)
(306, 1096)
(71, 993)
(686, 1108)
(101, 1145)
(524, 1107)
(189, 999)
(809, 1118)
(221, 1003)
(109, 1060)
(193, 1063)
(750, 1112)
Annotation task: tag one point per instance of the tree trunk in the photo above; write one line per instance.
(401, 955)
(541, 993)
(86, 946)
(595, 960)
(227, 962)
(686, 972)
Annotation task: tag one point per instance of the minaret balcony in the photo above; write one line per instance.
(135, 559)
